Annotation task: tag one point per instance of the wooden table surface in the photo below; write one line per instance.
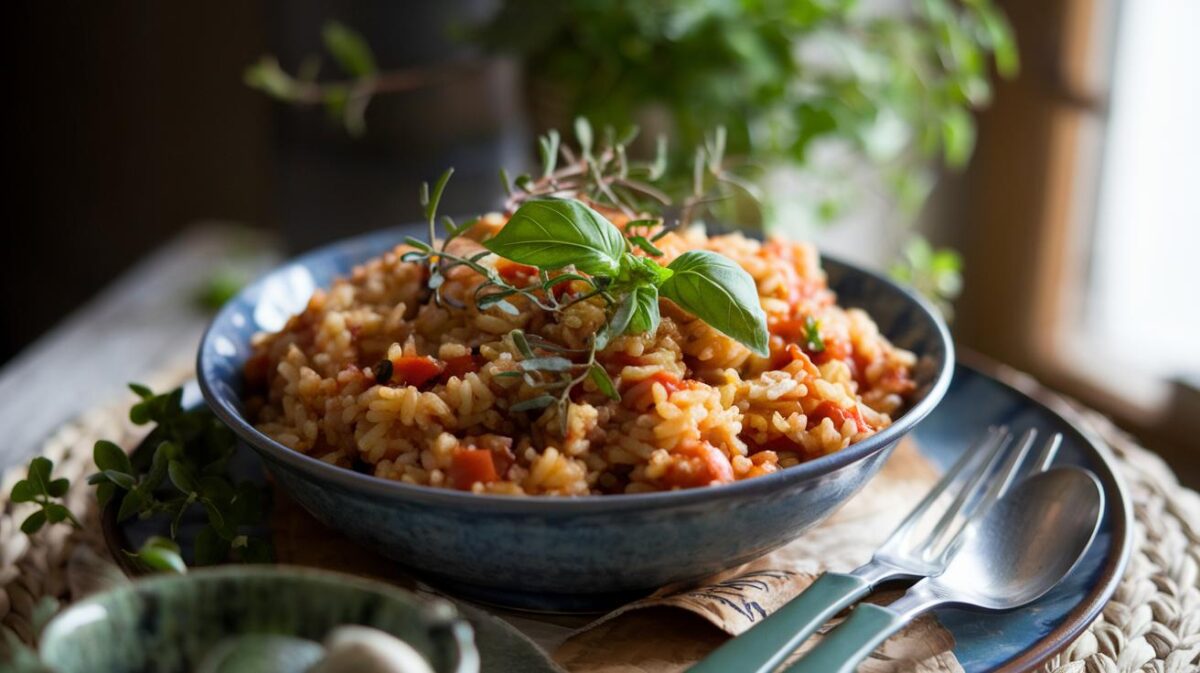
(144, 321)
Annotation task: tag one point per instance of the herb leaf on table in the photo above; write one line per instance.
(187, 469)
(38, 487)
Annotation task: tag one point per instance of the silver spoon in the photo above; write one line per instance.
(1020, 549)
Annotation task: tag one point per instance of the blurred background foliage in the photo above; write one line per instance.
(822, 91)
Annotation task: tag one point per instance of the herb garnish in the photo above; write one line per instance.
(552, 234)
(47, 493)
(812, 335)
(574, 242)
(187, 469)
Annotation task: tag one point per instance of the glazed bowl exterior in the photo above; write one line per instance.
(171, 623)
(562, 553)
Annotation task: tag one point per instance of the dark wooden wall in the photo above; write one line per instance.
(126, 122)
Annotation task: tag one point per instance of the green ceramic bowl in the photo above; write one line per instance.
(168, 624)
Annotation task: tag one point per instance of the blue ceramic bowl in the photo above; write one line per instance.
(562, 554)
(171, 623)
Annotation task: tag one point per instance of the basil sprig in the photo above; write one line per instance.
(551, 234)
(715, 289)
(554, 233)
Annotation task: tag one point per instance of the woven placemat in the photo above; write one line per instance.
(1151, 624)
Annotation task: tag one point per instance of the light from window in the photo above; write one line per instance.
(1144, 295)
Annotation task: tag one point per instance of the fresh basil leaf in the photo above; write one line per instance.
(554, 233)
(645, 318)
(603, 382)
(141, 391)
(715, 289)
(645, 271)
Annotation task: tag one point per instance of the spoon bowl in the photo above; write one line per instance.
(1027, 543)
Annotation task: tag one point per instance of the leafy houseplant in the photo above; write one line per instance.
(891, 84)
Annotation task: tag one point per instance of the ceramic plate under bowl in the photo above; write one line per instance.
(984, 642)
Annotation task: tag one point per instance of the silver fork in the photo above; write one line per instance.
(919, 547)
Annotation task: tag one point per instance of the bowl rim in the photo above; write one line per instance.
(350, 480)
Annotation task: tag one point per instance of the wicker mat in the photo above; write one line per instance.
(1152, 622)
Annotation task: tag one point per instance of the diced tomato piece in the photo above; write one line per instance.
(836, 414)
(835, 349)
(414, 370)
(668, 381)
(786, 356)
(514, 273)
(472, 465)
(460, 366)
(562, 289)
(703, 464)
(627, 360)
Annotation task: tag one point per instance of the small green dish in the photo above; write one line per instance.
(169, 624)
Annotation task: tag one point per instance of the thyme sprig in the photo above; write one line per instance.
(556, 375)
(604, 174)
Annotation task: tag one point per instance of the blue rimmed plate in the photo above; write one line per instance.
(1013, 642)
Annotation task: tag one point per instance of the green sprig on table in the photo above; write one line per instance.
(39, 488)
(187, 469)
